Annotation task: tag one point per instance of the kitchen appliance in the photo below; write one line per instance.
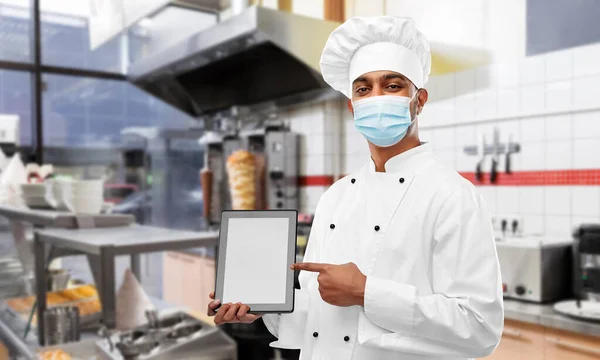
(586, 262)
(173, 336)
(275, 149)
(280, 53)
(536, 269)
(281, 149)
(586, 275)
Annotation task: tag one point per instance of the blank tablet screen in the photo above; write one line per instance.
(254, 259)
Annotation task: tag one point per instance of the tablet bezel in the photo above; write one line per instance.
(292, 216)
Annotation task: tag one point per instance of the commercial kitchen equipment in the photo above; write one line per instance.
(275, 149)
(586, 262)
(172, 336)
(101, 247)
(536, 269)
(281, 150)
(586, 275)
(274, 54)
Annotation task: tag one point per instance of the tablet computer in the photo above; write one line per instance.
(256, 249)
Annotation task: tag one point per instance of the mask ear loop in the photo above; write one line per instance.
(418, 105)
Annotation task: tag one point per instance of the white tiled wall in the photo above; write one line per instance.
(321, 134)
(550, 105)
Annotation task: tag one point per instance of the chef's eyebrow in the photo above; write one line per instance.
(360, 79)
(392, 76)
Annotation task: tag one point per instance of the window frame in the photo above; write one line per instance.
(37, 70)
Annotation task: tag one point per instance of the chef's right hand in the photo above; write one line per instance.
(230, 313)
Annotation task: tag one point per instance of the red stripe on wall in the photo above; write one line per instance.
(518, 178)
(315, 180)
(540, 178)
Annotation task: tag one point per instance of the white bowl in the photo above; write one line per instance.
(87, 192)
(87, 184)
(61, 192)
(85, 205)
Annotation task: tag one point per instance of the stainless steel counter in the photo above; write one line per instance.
(12, 329)
(544, 315)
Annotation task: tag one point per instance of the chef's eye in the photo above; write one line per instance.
(394, 87)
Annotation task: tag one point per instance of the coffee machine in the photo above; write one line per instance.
(587, 262)
(586, 275)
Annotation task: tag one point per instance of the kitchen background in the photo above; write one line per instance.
(95, 97)
(535, 95)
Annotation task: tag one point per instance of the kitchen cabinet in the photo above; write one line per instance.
(528, 341)
(520, 341)
(561, 345)
(172, 278)
(188, 279)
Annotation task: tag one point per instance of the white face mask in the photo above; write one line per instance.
(383, 120)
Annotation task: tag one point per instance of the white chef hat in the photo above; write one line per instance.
(366, 44)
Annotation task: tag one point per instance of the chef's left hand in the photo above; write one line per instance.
(340, 285)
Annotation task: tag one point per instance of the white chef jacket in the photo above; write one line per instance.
(423, 237)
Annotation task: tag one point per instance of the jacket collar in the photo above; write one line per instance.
(408, 161)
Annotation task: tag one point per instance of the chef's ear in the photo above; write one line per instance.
(422, 97)
(350, 107)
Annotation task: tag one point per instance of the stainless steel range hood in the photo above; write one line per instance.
(203, 5)
(257, 56)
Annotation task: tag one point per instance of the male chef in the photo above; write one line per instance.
(401, 261)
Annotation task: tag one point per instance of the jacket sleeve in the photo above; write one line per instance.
(463, 316)
(289, 328)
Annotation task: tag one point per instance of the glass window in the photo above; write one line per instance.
(66, 38)
(95, 127)
(66, 35)
(15, 101)
(15, 30)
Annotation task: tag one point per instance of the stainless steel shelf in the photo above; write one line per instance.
(61, 219)
(101, 247)
(18, 216)
(126, 240)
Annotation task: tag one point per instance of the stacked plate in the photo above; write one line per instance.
(78, 196)
(37, 196)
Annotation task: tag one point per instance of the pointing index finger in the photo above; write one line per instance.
(312, 267)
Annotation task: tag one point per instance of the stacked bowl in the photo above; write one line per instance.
(78, 196)
(86, 196)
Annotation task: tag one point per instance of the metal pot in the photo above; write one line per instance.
(58, 279)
